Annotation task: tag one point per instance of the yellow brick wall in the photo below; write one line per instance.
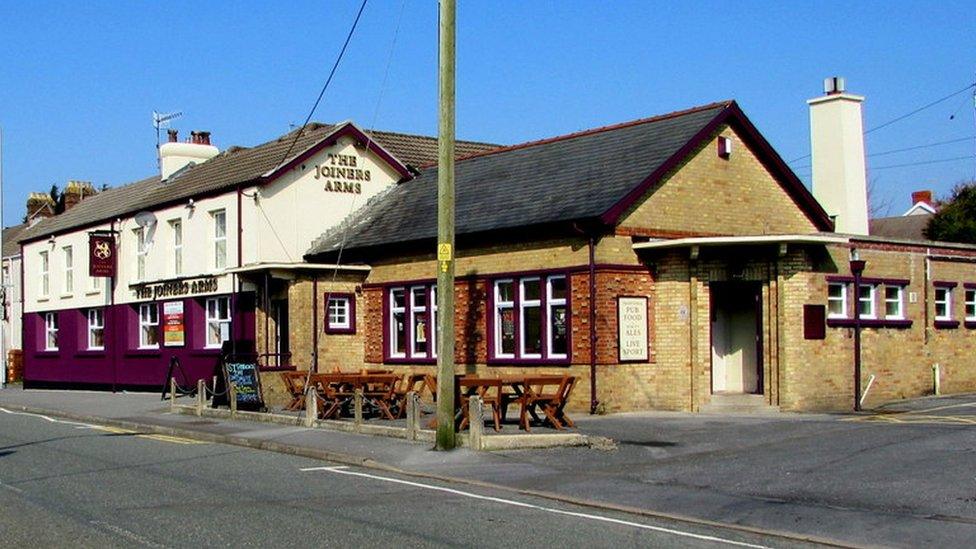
(708, 194)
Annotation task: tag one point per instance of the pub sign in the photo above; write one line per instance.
(101, 254)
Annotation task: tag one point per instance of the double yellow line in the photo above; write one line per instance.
(160, 438)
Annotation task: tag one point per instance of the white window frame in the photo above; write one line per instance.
(96, 321)
(218, 320)
(142, 250)
(499, 306)
(339, 306)
(45, 272)
(51, 331)
(68, 258)
(394, 309)
(219, 239)
(146, 323)
(176, 226)
(899, 299)
(842, 299)
(410, 312)
(551, 304)
(970, 300)
(868, 295)
(526, 304)
(947, 302)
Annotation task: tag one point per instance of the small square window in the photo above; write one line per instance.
(971, 304)
(894, 302)
(340, 313)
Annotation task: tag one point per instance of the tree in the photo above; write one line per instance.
(956, 219)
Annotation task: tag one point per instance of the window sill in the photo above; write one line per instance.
(340, 331)
(277, 368)
(528, 362)
(869, 323)
(946, 324)
(143, 352)
(93, 292)
(407, 360)
(91, 353)
(971, 323)
(43, 299)
(48, 353)
(67, 296)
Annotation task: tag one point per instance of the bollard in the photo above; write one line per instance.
(201, 396)
(232, 393)
(413, 422)
(358, 406)
(172, 394)
(476, 423)
(310, 408)
(936, 379)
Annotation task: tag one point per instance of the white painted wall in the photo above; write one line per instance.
(279, 226)
(295, 209)
(12, 329)
(837, 154)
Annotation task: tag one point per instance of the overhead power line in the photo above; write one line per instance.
(335, 66)
(904, 116)
(923, 162)
(906, 149)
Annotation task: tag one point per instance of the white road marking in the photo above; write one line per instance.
(342, 470)
(9, 487)
(125, 533)
(50, 419)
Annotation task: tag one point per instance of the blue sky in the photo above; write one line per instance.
(79, 80)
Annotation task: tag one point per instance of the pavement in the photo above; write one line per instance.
(900, 476)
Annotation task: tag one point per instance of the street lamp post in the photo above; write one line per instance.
(857, 268)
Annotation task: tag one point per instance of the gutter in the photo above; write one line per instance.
(741, 240)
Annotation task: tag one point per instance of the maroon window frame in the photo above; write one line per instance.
(429, 328)
(350, 311)
(517, 359)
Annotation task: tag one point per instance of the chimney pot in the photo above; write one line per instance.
(174, 135)
(922, 196)
(834, 85)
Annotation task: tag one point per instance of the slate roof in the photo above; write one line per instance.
(231, 167)
(582, 176)
(905, 227)
(11, 237)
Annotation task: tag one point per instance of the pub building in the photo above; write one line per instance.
(671, 263)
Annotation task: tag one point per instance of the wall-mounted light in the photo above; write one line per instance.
(51, 240)
(190, 204)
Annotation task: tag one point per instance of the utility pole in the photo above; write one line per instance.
(3, 284)
(445, 230)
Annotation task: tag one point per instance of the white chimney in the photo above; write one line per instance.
(837, 143)
(174, 156)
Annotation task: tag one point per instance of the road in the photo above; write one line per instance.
(71, 484)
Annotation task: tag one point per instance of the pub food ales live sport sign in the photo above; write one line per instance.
(101, 254)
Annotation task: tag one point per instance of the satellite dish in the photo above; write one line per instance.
(145, 219)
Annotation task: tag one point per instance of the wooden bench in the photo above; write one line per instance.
(549, 394)
(295, 385)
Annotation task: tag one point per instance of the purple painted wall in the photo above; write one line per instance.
(122, 363)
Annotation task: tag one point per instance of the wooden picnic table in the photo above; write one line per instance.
(337, 390)
(540, 393)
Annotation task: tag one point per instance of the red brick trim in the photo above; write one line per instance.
(659, 233)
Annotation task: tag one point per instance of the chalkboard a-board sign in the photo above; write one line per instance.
(247, 382)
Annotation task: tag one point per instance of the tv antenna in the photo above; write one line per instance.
(161, 121)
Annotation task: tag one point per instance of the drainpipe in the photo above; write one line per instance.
(592, 268)
(315, 324)
(115, 314)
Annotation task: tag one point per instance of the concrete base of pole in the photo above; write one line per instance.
(476, 423)
(232, 389)
(357, 409)
(311, 413)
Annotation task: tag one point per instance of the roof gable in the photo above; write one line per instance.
(241, 166)
(593, 175)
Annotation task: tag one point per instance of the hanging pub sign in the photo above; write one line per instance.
(174, 329)
(101, 254)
